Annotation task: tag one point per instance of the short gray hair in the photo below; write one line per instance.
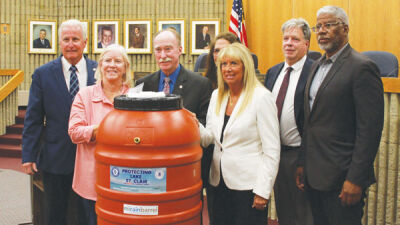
(299, 23)
(71, 23)
(335, 11)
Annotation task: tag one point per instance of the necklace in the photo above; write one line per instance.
(232, 101)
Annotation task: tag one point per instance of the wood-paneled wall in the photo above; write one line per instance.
(374, 25)
(13, 47)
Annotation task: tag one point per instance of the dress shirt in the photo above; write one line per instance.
(88, 109)
(323, 69)
(172, 82)
(81, 71)
(288, 128)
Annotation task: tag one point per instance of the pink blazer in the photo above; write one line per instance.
(88, 109)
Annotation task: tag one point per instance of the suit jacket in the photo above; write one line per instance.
(270, 79)
(202, 42)
(38, 44)
(342, 131)
(194, 89)
(137, 41)
(249, 153)
(50, 104)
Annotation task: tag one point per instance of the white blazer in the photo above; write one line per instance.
(250, 152)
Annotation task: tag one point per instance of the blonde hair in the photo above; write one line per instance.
(126, 78)
(239, 52)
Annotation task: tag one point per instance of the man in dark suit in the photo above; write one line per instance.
(41, 42)
(342, 127)
(47, 116)
(194, 88)
(203, 39)
(292, 204)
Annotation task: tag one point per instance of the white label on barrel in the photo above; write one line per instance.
(138, 180)
(141, 209)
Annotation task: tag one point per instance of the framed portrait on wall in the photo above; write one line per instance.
(105, 33)
(202, 33)
(86, 27)
(137, 36)
(176, 24)
(42, 36)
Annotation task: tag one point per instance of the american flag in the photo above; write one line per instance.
(236, 24)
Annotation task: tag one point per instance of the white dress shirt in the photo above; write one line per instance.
(288, 128)
(81, 72)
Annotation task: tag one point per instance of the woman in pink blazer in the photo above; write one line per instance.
(90, 106)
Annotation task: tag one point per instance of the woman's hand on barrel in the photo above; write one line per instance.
(259, 202)
(94, 133)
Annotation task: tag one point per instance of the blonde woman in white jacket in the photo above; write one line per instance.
(242, 123)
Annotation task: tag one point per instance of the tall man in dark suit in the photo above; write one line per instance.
(41, 42)
(292, 204)
(342, 127)
(174, 78)
(50, 98)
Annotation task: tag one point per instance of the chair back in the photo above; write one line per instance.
(201, 62)
(387, 62)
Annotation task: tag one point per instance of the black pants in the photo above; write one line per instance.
(232, 207)
(90, 212)
(57, 189)
(327, 209)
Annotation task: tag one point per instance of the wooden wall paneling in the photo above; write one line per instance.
(308, 10)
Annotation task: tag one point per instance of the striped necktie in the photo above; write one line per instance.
(166, 85)
(73, 82)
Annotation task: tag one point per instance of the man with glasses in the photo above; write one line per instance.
(342, 127)
(292, 205)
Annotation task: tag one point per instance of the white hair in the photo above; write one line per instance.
(336, 11)
(72, 22)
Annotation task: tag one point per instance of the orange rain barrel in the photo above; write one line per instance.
(148, 163)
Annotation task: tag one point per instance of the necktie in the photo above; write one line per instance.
(282, 92)
(166, 85)
(42, 42)
(73, 82)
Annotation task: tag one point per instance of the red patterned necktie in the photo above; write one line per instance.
(166, 85)
(282, 92)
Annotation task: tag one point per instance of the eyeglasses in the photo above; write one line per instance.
(326, 26)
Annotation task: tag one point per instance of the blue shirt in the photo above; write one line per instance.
(173, 78)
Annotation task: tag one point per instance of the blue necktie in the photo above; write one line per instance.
(73, 82)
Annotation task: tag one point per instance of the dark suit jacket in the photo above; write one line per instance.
(202, 42)
(342, 131)
(272, 75)
(38, 44)
(195, 90)
(49, 101)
